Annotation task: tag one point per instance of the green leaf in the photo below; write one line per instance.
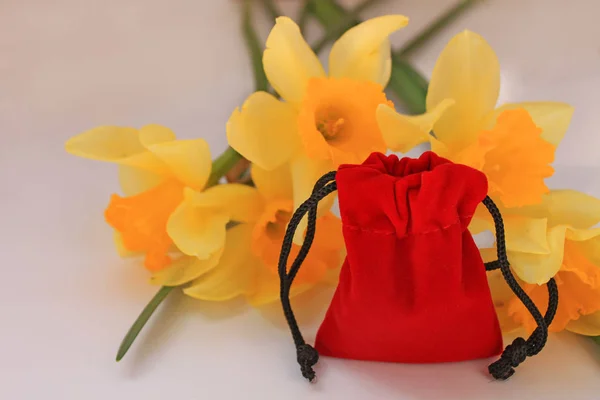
(595, 339)
(409, 86)
(139, 323)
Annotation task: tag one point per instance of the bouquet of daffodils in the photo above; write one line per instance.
(213, 226)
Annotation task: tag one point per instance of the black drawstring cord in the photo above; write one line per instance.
(552, 293)
(306, 355)
(516, 352)
(513, 355)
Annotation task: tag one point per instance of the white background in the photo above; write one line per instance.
(66, 299)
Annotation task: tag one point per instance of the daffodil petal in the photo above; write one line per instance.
(481, 221)
(288, 60)
(467, 71)
(184, 270)
(588, 325)
(553, 117)
(235, 273)
(154, 134)
(363, 52)
(242, 203)
(275, 184)
(401, 132)
(305, 173)
(565, 207)
(135, 180)
(114, 144)
(573, 208)
(189, 160)
(539, 268)
(526, 235)
(197, 231)
(264, 131)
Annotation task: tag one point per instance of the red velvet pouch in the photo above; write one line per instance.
(413, 287)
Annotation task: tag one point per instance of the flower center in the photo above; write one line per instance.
(337, 119)
(275, 229)
(329, 123)
(142, 220)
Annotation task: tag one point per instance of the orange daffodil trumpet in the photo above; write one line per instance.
(221, 241)
(555, 238)
(249, 262)
(158, 175)
(322, 120)
(548, 232)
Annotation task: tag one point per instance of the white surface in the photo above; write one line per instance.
(67, 299)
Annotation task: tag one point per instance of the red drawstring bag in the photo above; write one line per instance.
(413, 287)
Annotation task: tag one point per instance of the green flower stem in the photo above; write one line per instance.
(142, 319)
(222, 165)
(254, 47)
(434, 28)
(596, 339)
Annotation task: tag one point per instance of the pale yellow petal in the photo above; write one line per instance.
(526, 235)
(363, 52)
(114, 144)
(565, 207)
(264, 131)
(242, 203)
(155, 134)
(539, 268)
(185, 269)
(588, 325)
(585, 235)
(235, 273)
(573, 208)
(188, 160)
(401, 132)
(305, 173)
(135, 180)
(288, 60)
(197, 231)
(553, 117)
(275, 184)
(467, 71)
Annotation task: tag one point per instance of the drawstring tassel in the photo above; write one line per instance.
(306, 355)
(518, 351)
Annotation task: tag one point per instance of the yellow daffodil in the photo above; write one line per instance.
(156, 171)
(513, 144)
(248, 265)
(553, 239)
(324, 119)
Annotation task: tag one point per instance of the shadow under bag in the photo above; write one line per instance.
(413, 286)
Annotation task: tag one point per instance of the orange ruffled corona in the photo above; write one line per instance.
(337, 119)
(142, 221)
(514, 157)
